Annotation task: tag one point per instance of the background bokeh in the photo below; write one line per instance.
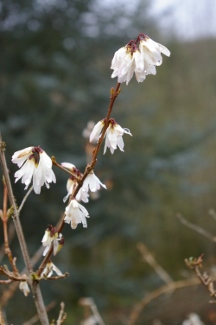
(54, 77)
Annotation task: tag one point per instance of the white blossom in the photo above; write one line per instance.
(92, 183)
(68, 165)
(114, 137)
(193, 319)
(23, 286)
(82, 195)
(52, 237)
(96, 132)
(123, 64)
(139, 57)
(75, 213)
(49, 269)
(34, 163)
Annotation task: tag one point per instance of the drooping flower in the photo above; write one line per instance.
(92, 183)
(76, 213)
(49, 269)
(23, 286)
(96, 131)
(113, 135)
(82, 195)
(52, 237)
(36, 164)
(139, 56)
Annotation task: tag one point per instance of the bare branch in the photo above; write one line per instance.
(62, 314)
(35, 318)
(196, 228)
(155, 294)
(149, 258)
(195, 264)
(89, 302)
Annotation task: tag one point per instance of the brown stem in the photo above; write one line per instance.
(5, 231)
(113, 95)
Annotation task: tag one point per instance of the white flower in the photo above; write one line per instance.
(49, 269)
(96, 132)
(23, 286)
(114, 134)
(34, 162)
(82, 195)
(92, 183)
(69, 166)
(70, 186)
(123, 64)
(193, 319)
(52, 237)
(75, 213)
(140, 56)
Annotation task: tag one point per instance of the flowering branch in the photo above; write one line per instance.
(114, 94)
(139, 57)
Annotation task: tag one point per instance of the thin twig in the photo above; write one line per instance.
(149, 258)
(212, 213)
(134, 315)
(5, 231)
(196, 228)
(195, 264)
(25, 198)
(90, 303)
(35, 318)
(62, 314)
(11, 275)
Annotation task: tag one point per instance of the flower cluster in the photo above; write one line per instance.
(140, 56)
(75, 213)
(36, 164)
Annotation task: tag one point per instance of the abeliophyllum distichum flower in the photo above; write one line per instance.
(140, 56)
(113, 136)
(36, 164)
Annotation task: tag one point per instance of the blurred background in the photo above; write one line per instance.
(54, 77)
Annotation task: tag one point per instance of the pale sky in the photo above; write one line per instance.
(188, 19)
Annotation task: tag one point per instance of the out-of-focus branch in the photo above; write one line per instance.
(149, 258)
(196, 228)
(195, 264)
(134, 315)
(62, 315)
(89, 302)
(35, 318)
